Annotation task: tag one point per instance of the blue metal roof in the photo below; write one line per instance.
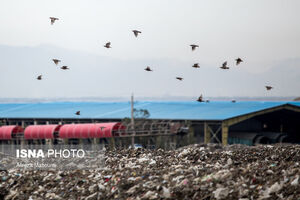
(214, 110)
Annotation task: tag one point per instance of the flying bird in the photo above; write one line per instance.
(136, 32)
(238, 61)
(196, 65)
(53, 19)
(224, 66)
(200, 99)
(77, 113)
(269, 87)
(194, 46)
(65, 67)
(39, 77)
(179, 78)
(107, 45)
(56, 61)
(148, 69)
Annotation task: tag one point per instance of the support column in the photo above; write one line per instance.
(225, 129)
(132, 121)
(22, 139)
(158, 142)
(191, 136)
(112, 144)
(49, 141)
(206, 133)
(66, 141)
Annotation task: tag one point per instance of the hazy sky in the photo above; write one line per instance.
(264, 33)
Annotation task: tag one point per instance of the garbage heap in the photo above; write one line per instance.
(193, 172)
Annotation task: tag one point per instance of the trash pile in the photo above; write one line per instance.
(193, 172)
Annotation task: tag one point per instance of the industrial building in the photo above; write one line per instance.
(246, 122)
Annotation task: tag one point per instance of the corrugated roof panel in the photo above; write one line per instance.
(214, 110)
(6, 132)
(97, 130)
(41, 131)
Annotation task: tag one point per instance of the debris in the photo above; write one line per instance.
(221, 193)
(92, 196)
(166, 193)
(295, 181)
(192, 172)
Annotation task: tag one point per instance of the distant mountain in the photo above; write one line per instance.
(297, 99)
(140, 98)
(97, 76)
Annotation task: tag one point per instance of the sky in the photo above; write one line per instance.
(265, 34)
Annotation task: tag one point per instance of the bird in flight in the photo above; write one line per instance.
(194, 46)
(53, 19)
(39, 77)
(224, 66)
(148, 69)
(107, 45)
(179, 78)
(77, 113)
(56, 61)
(200, 99)
(102, 127)
(65, 67)
(269, 87)
(136, 32)
(238, 61)
(196, 65)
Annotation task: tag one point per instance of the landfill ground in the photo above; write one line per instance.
(193, 172)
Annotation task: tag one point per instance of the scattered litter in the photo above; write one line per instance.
(193, 172)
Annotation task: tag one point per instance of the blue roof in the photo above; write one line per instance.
(214, 110)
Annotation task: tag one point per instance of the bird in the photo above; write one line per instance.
(53, 19)
(77, 113)
(136, 32)
(56, 61)
(269, 87)
(65, 67)
(238, 61)
(224, 66)
(207, 101)
(39, 77)
(107, 45)
(196, 65)
(179, 78)
(102, 127)
(148, 69)
(233, 100)
(200, 99)
(194, 46)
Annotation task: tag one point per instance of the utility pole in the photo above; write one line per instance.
(132, 121)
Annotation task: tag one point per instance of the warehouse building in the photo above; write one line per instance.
(247, 122)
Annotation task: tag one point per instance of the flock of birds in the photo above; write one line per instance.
(136, 34)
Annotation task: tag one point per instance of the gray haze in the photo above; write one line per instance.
(265, 34)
